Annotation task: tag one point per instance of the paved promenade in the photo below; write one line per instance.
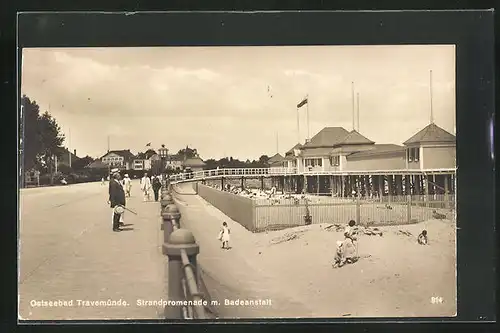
(69, 253)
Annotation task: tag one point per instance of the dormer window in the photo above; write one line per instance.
(335, 160)
(413, 154)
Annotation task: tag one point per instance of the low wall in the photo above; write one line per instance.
(238, 208)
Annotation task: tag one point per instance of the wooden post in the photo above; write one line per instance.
(242, 182)
(446, 191)
(381, 187)
(222, 183)
(418, 188)
(426, 189)
(262, 183)
(407, 185)
(358, 211)
(408, 208)
(399, 185)
(434, 187)
(372, 179)
(390, 187)
(332, 185)
(342, 186)
(317, 184)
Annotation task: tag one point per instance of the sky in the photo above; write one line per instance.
(237, 101)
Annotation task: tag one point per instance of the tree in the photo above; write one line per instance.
(264, 161)
(29, 132)
(50, 140)
(141, 156)
(81, 163)
(188, 152)
(149, 153)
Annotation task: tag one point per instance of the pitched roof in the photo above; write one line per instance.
(194, 162)
(297, 146)
(378, 149)
(175, 157)
(327, 137)
(276, 163)
(125, 153)
(97, 164)
(276, 158)
(431, 133)
(316, 152)
(65, 156)
(354, 138)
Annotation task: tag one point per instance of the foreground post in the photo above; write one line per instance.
(166, 200)
(358, 211)
(408, 208)
(181, 240)
(169, 215)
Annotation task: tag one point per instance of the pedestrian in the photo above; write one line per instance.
(117, 201)
(224, 236)
(146, 186)
(102, 181)
(156, 186)
(127, 185)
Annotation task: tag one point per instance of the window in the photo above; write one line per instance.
(335, 160)
(413, 154)
(313, 162)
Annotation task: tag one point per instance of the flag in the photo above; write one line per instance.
(301, 104)
(149, 144)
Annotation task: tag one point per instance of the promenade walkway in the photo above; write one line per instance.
(235, 274)
(68, 253)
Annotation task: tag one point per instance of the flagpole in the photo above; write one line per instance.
(69, 147)
(430, 92)
(277, 145)
(307, 98)
(352, 92)
(357, 95)
(298, 126)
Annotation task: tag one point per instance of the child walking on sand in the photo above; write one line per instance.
(224, 236)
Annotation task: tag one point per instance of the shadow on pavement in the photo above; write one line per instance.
(127, 229)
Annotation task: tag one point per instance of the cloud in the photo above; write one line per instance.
(217, 98)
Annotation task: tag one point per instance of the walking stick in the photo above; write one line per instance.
(128, 209)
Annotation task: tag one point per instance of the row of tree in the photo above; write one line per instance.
(42, 140)
(41, 137)
(233, 163)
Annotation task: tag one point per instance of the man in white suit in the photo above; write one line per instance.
(146, 187)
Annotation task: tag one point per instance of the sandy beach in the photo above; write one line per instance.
(395, 276)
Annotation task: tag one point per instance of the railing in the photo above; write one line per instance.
(284, 211)
(266, 172)
(185, 301)
(236, 172)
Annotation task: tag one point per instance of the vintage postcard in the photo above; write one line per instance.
(238, 182)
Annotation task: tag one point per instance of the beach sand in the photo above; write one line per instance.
(395, 277)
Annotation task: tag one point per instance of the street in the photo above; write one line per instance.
(68, 252)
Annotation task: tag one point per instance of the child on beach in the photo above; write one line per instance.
(224, 236)
(422, 238)
(349, 232)
(339, 260)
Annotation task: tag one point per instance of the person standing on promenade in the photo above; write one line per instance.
(156, 186)
(146, 186)
(117, 199)
(127, 184)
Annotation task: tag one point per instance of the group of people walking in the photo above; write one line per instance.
(150, 184)
(120, 189)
